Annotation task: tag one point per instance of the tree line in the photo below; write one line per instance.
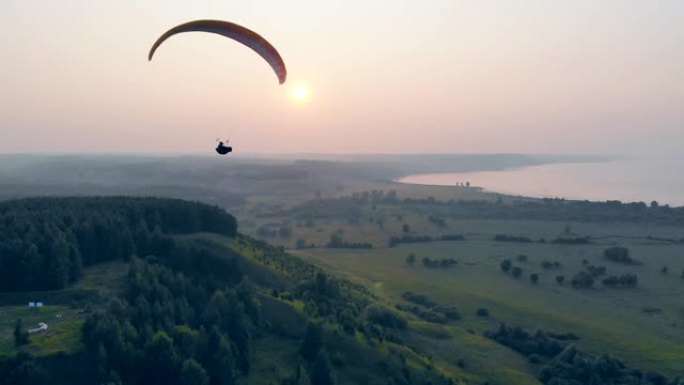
(46, 242)
(564, 364)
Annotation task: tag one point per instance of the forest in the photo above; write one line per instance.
(46, 242)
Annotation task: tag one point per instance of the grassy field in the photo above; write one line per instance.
(64, 316)
(63, 334)
(607, 320)
(643, 325)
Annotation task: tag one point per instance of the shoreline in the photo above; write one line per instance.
(600, 181)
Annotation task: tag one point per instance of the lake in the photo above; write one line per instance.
(633, 179)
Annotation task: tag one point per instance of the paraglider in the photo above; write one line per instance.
(233, 31)
(238, 33)
(222, 149)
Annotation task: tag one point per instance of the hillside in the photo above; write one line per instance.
(188, 308)
(194, 302)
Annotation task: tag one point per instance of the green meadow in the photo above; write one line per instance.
(642, 325)
(64, 311)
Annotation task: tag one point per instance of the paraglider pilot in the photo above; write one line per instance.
(223, 149)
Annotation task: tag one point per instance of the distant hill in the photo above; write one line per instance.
(229, 182)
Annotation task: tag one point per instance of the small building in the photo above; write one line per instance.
(39, 304)
(32, 304)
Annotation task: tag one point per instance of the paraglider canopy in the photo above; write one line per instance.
(233, 31)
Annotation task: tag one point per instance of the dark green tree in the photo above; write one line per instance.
(411, 259)
(506, 265)
(517, 272)
(534, 278)
(58, 264)
(219, 358)
(336, 240)
(312, 341)
(23, 369)
(321, 372)
(21, 336)
(162, 361)
(582, 280)
(101, 363)
(192, 373)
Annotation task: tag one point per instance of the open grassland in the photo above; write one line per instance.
(376, 221)
(643, 325)
(607, 320)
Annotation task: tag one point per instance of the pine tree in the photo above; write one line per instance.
(21, 336)
(58, 270)
(312, 341)
(321, 373)
(192, 373)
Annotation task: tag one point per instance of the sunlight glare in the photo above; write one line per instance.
(300, 93)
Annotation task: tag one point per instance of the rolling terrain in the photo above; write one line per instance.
(333, 253)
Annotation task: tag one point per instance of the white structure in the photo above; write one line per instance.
(32, 304)
(41, 327)
(39, 304)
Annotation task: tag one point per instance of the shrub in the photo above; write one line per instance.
(620, 255)
(526, 343)
(582, 280)
(625, 280)
(384, 317)
(571, 241)
(482, 312)
(550, 265)
(452, 237)
(596, 271)
(534, 278)
(560, 279)
(511, 238)
(420, 299)
(563, 336)
(517, 272)
(450, 312)
(506, 265)
(393, 241)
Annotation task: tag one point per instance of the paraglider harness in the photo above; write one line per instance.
(222, 149)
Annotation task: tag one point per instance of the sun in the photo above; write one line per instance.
(300, 94)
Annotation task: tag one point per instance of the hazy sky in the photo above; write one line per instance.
(571, 76)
